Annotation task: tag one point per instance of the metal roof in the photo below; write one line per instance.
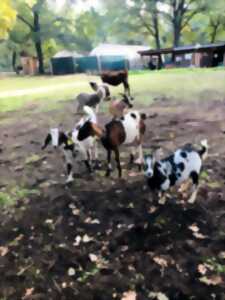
(184, 49)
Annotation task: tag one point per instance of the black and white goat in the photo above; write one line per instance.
(184, 164)
(72, 147)
(102, 93)
(129, 130)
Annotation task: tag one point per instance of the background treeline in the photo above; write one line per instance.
(37, 27)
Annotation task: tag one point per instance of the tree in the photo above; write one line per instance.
(42, 24)
(179, 14)
(7, 18)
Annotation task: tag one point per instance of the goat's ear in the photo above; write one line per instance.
(94, 85)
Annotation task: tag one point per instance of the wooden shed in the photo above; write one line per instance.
(211, 55)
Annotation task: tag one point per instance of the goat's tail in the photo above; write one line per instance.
(203, 152)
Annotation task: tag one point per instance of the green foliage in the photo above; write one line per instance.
(15, 194)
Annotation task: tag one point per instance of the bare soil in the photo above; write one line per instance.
(101, 236)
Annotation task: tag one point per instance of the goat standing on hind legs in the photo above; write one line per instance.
(129, 130)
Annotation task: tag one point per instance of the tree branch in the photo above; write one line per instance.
(25, 22)
(147, 26)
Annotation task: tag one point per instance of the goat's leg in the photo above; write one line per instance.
(195, 179)
(132, 155)
(109, 167)
(97, 164)
(69, 165)
(87, 161)
(140, 159)
(126, 88)
(117, 158)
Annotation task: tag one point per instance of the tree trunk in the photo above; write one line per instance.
(156, 36)
(38, 43)
(214, 34)
(14, 54)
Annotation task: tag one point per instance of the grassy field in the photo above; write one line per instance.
(177, 84)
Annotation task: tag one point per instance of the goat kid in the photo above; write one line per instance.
(71, 146)
(129, 130)
(118, 108)
(185, 163)
(102, 93)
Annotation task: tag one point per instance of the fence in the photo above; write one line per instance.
(88, 64)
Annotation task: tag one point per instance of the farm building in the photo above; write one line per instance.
(64, 62)
(211, 55)
(108, 53)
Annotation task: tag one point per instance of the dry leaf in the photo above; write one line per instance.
(4, 251)
(213, 280)
(93, 257)
(199, 235)
(159, 296)
(77, 241)
(160, 261)
(130, 295)
(202, 269)
(86, 238)
(194, 227)
(28, 293)
(71, 272)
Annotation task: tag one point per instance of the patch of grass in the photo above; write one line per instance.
(146, 86)
(16, 193)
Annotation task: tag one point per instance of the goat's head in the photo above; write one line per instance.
(126, 99)
(89, 129)
(56, 138)
(103, 88)
(149, 163)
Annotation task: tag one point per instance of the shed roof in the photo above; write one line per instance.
(118, 50)
(66, 53)
(184, 49)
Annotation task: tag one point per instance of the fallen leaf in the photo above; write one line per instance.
(160, 261)
(194, 227)
(86, 238)
(202, 269)
(4, 251)
(199, 235)
(213, 280)
(28, 293)
(93, 257)
(159, 296)
(71, 272)
(130, 295)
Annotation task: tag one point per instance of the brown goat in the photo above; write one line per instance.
(129, 130)
(115, 78)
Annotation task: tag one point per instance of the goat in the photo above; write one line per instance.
(118, 108)
(102, 93)
(129, 130)
(115, 78)
(72, 146)
(185, 163)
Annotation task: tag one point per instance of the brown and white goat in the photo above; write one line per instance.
(129, 130)
(118, 108)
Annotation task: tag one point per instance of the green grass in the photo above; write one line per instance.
(178, 84)
(16, 193)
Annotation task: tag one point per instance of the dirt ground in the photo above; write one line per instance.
(103, 237)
